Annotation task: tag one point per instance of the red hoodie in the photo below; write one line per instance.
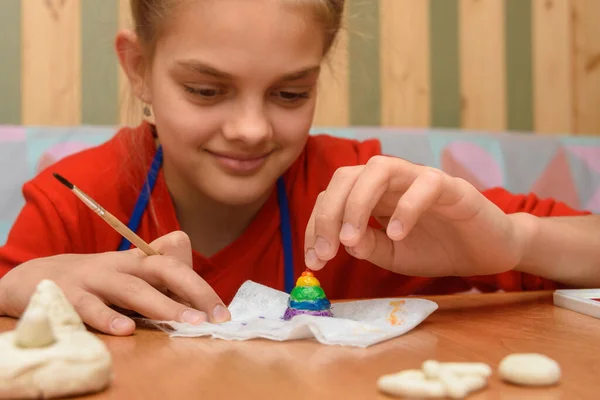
(53, 221)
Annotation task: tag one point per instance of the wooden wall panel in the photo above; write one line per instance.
(552, 65)
(587, 66)
(99, 66)
(519, 71)
(483, 86)
(51, 62)
(10, 66)
(333, 104)
(130, 109)
(404, 63)
(364, 60)
(444, 68)
(492, 65)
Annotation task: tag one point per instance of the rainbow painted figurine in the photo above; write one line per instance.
(308, 298)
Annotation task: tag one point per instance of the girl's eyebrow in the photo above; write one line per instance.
(207, 69)
(303, 73)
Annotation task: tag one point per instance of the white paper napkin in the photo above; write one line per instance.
(257, 311)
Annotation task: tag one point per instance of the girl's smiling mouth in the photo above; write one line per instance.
(240, 163)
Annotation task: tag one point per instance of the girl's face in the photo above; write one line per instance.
(232, 87)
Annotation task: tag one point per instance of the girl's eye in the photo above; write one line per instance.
(291, 97)
(205, 92)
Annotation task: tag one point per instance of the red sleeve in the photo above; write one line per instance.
(531, 204)
(508, 281)
(38, 231)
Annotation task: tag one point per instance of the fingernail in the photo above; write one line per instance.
(350, 250)
(193, 316)
(121, 324)
(347, 232)
(321, 246)
(220, 313)
(395, 228)
(310, 259)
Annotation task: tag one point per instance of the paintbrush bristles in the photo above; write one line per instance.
(108, 218)
(63, 181)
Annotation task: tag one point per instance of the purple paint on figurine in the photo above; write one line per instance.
(291, 312)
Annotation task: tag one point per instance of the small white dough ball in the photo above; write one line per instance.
(529, 369)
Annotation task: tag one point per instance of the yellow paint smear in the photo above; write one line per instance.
(397, 307)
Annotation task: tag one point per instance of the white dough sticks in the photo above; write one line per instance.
(437, 380)
(460, 386)
(433, 368)
(411, 383)
(457, 380)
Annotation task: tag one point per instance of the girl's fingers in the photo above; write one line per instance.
(99, 316)
(133, 293)
(175, 244)
(329, 212)
(381, 175)
(311, 260)
(185, 283)
(366, 192)
(174, 271)
(417, 199)
(375, 247)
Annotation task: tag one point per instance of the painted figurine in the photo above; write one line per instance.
(308, 298)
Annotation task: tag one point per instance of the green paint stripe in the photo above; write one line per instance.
(519, 69)
(363, 44)
(445, 68)
(99, 70)
(10, 62)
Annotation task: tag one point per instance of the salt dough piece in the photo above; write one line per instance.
(437, 380)
(34, 330)
(60, 359)
(433, 368)
(411, 383)
(529, 369)
(460, 386)
(49, 299)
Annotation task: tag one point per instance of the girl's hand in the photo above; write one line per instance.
(434, 224)
(129, 280)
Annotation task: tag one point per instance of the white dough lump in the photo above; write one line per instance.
(50, 353)
(529, 369)
(437, 380)
(457, 380)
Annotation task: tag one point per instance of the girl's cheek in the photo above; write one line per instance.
(294, 126)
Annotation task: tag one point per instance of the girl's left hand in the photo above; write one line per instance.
(434, 224)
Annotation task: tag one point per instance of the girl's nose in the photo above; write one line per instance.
(249, 124)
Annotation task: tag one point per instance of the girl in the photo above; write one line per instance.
(224, 180)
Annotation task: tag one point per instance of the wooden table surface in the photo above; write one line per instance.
(473, 327)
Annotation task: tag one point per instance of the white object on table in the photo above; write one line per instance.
(50, 353)
(257, 311)
(579, 300)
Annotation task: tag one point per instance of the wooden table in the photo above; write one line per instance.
(473, 327)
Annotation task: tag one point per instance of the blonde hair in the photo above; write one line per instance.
(149, 18)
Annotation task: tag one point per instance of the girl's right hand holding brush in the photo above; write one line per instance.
(128, 279)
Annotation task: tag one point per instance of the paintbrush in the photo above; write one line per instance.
(109, 218)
